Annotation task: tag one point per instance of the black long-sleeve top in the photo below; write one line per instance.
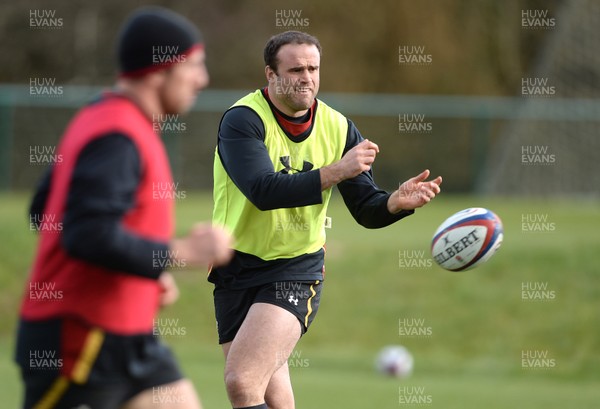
(244, 156)
(102, 190)
(247, 162)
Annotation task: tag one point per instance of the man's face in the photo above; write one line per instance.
(183, 82)
(294, 87)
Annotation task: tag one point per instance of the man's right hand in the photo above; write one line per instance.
(204, 245)
(356, 161)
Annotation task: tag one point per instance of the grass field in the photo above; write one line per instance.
(480, 322)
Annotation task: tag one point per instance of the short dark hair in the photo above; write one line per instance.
(287, 37)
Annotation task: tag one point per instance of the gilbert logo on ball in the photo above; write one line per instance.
(467, 239)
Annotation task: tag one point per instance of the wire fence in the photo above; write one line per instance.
(459, 137)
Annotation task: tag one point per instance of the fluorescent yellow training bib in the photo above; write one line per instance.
(281, 233)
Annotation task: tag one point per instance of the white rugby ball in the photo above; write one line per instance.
(467, 239)
(394, 360)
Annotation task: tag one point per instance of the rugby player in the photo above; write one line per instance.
(280, 151)
(88, 342)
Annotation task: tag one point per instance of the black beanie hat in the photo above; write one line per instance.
(153, 38)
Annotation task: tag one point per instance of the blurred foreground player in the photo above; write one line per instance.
(279, 153)
(105, 216)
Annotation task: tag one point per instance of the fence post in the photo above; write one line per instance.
(480, 140)
(6, 135)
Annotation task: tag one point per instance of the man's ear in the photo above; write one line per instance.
(156, 79)
(270, 74)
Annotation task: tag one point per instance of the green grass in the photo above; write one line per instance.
(479, 322)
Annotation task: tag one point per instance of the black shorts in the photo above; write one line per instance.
(301, 298)
(66, 363)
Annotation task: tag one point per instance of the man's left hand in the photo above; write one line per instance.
(415, 192)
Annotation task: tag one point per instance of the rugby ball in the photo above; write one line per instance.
(394, 360)
(467, 239)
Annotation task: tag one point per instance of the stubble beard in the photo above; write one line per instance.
(298, 103)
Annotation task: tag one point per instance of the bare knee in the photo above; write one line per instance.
(243, 387)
